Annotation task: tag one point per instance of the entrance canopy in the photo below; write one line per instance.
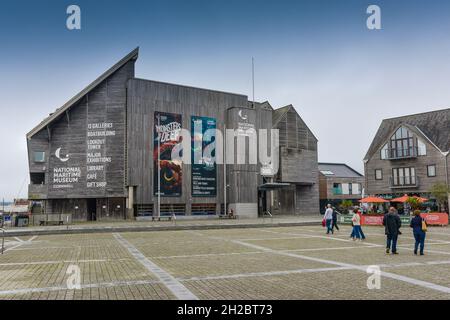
(273, 186)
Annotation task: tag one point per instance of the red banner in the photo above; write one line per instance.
(435, 218)
(372, 220)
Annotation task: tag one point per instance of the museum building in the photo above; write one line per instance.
(106, 153)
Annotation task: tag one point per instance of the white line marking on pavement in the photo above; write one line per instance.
(60, 261)
(176, 287)
(83, 286)
(417, 282)
(311, 270)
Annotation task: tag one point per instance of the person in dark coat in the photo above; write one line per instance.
(392, 224)
(418, 232)
(335, 219)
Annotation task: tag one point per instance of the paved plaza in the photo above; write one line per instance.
(299, 262)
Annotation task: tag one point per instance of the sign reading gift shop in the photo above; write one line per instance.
(203, 144)
(166, 133)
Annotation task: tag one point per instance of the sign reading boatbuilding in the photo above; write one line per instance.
(108, 153)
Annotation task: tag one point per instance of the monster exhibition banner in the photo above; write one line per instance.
(204, 164)
(167, 128)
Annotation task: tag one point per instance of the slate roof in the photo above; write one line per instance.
(340, 170)
(434, 125)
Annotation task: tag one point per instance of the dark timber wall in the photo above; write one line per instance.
(90, 134)
(298, 165)
(144, 98)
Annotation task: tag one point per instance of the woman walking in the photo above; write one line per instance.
(356, 221)
(419, 226)
(357, 232)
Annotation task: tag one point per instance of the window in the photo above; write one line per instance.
(345, 188)
(39, 156)
(385, 152)
(403, 176)
(431, 170)
(401, 145)
(378, 174)
(421, 148)
(356, 188)
(327, 173)
(37, 178)
(337, 189)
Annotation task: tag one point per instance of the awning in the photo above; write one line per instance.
(273, 186)
(373, 200)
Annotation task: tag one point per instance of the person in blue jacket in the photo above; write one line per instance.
(419, 233)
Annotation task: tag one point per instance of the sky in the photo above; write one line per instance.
(317, 55)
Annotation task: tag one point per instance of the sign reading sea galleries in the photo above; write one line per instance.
(203, 146)
(166, 133)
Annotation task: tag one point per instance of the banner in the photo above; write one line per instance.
(166, 133)
(377, 220)
(435, 218)
(203, 143)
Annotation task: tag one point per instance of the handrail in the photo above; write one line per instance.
(269, 214)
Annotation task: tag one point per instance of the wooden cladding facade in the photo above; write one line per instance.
(98, 152)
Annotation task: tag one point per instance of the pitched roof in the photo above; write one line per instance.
(339, 170)
(434, 125)
(133, 55)
(279, 113)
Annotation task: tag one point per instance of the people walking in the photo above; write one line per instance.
(419, 226)
(357, 232)
(356, 221)
(392, 225)
(329, 219)
(335, 220)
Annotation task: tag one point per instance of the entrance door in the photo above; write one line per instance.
(262, 202)
(91, 209)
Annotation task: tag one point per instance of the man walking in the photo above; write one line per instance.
(392, 224)
(329, 219)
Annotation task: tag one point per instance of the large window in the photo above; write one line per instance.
(404, 177)
(403, 144)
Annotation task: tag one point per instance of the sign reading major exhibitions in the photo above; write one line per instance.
(166, 133)
(203, 157)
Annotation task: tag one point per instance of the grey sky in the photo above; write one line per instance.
(319, 56)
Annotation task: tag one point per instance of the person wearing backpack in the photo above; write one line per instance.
(419, 226)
